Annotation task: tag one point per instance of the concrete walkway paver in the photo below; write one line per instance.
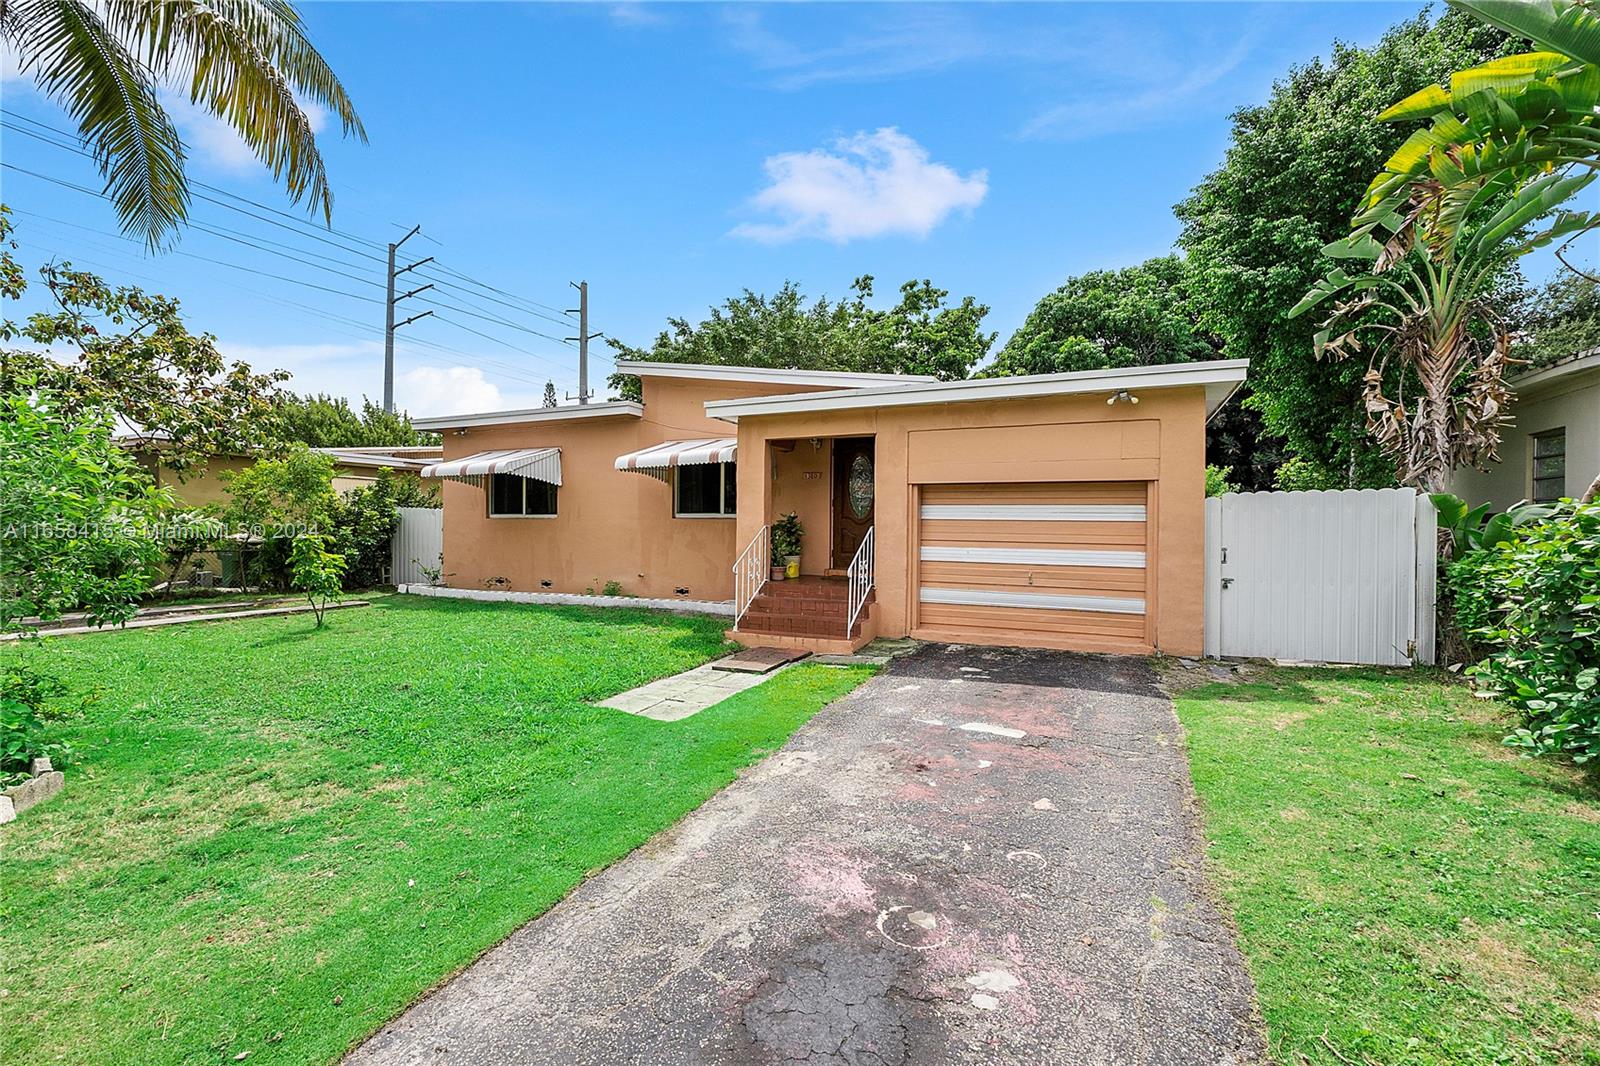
(893, 887)
(673, 698)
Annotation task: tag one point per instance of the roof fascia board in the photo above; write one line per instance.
(1220, 378)
(613, 409)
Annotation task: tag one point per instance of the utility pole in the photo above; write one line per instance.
(583, 338)
(389, 324)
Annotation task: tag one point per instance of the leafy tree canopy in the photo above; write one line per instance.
(120, 349)
(1138, 316)
(922, 334)
(1293, 174)
(323, 421)
(1560, 319)
(74, 511)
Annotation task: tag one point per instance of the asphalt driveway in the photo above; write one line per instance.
(981, 855)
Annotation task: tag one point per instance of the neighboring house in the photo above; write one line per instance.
(1552, 447)
(355, 468)
(1060, 510)
(199, 485)
(203, 484)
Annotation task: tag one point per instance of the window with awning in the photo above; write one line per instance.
(538, 464)
(659, 460)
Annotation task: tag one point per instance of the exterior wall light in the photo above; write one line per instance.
(1123, 395)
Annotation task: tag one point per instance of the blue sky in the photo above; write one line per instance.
(673, 155)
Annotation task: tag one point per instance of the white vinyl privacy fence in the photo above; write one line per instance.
(418, 542)
(1341, 577)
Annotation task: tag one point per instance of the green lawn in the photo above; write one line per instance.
(274, 838)
(1401, 882)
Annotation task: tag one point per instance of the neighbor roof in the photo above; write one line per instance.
(612, 409)
(1220, 378)
(773, 375)
(1556, 375)
(399, 458)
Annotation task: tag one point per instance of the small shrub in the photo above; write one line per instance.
(613, 588)
(317, 572)
(1217, 480)
(434, 574)
(1302, 475)
(1533, 600)
(26, 709)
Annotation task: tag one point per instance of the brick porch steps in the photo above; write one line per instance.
(804, 607)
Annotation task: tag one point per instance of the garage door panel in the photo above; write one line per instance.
(1085, 492)
(1086, 579)
(997, 620)
(1048, 563)
(1103, 535)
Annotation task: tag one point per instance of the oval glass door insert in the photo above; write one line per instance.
(861, 486)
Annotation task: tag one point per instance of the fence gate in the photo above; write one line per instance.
(1344, 577)
(417, 542)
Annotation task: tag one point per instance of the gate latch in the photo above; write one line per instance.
(1227, 581)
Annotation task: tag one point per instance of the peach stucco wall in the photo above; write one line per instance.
(610, 525)
(1160, 442)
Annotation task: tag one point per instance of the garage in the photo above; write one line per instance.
(1062, 511)
(1049, 564)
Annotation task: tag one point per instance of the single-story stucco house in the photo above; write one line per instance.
(1058, 511)
(1552, 447)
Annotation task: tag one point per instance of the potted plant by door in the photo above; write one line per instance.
(787, 533)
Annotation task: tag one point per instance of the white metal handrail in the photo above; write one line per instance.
(860, 574)
(750, 572)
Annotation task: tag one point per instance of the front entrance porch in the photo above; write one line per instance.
(829, 484)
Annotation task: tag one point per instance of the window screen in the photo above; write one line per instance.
(705, 490)
(511, 495)
(1549, 465)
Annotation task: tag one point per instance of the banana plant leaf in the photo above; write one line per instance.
(1562, 26)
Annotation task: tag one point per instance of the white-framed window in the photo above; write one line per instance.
(512, 496)
(705, 490)
(1549, 465)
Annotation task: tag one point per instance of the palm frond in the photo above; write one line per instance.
(77, 60)
(249, 62)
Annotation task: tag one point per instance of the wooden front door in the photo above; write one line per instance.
(854, 492)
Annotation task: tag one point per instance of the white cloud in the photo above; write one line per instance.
(635, 13)
(869, 185)
(1117, 108)
(436, 390)
(213, 141)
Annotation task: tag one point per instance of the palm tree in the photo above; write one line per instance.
(1427, 307)
(246, 61)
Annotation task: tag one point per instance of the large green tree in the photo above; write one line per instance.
(248, 62)
(1139, 316)
(1255, 228)
(1560, 319)
(323, 421)
(922, 334)
(119, 349)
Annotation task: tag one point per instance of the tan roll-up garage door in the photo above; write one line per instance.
(1055, 565)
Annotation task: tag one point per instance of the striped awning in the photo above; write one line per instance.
(541, 464)
(659, 459)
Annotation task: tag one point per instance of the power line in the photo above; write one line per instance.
(506, 371)
(66, 141)
(279, 249)
(337, 292)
